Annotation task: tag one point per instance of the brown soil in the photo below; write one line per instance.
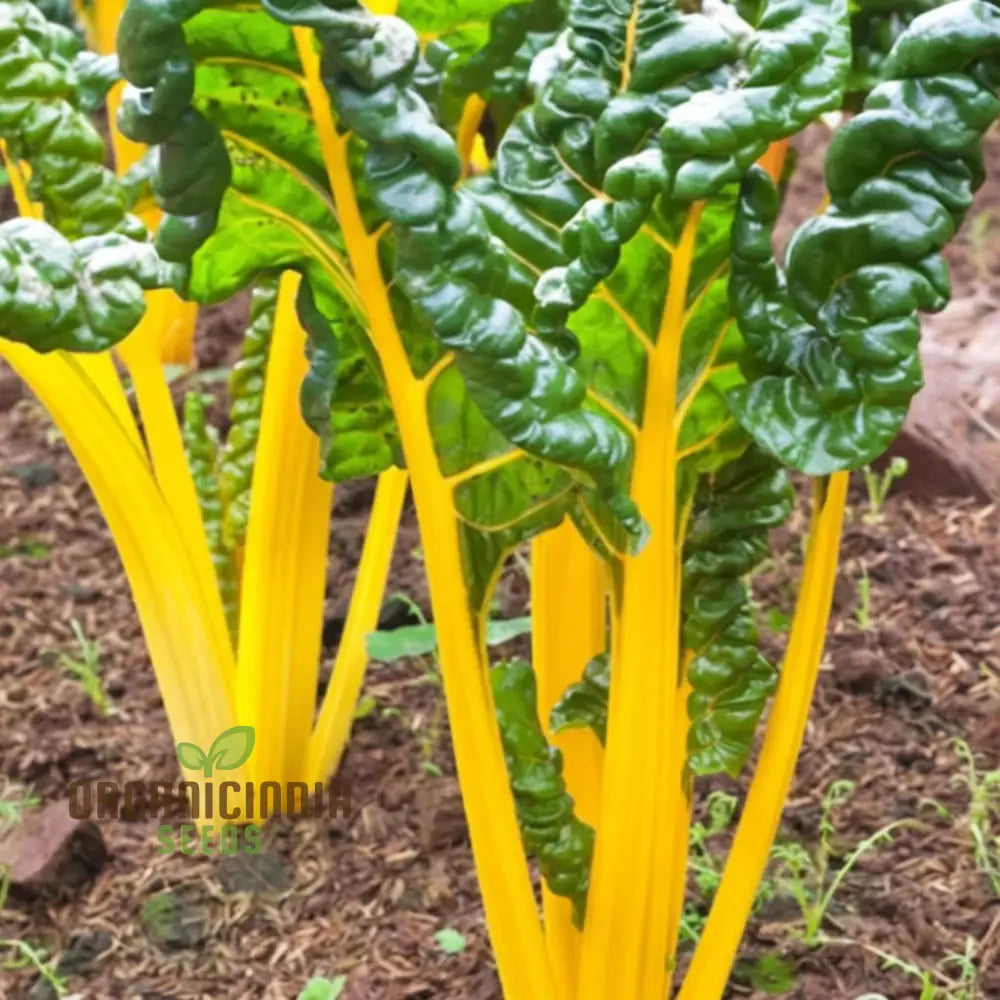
(365, 895)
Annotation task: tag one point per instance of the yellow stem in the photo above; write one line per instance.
(713, 958)
(184, 649)
(773, 160)
(568, 628)
(468, 128)
(509, 901)
(284, 562)
(624, 950)
(166, 448)
(337, 713)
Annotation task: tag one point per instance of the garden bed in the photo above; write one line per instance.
(910, 670)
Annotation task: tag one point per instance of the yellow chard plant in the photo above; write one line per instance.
(224, 543)
(587, 346)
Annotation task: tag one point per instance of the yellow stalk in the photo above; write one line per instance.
(468, 129)
(773, 160)
(713, 958)
(185, 651)
(339, 704)
(678, 801)
(100, 26)
(140, 352)
(627, 924)
(568, 598)
(84, 396)
(284, 563)
(511, 911)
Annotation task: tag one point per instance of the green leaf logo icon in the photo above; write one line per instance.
(230, 750)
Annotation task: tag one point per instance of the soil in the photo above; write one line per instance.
(364, 895)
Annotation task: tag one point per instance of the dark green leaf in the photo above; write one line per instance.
(562, 843)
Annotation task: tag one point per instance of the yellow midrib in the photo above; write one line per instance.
(284, 562)
(510, 905)
(625, 936)
(631, 36)
(568, 616)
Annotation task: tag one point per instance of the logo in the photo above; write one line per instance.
(235, 809)
(229, 751)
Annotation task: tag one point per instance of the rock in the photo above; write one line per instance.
(441, 818)
(951, 438)
(858, 671)
(51, 855)
(264, 872)
(171, 922)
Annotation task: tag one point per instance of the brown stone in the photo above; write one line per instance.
(52, 855)
(951, 438)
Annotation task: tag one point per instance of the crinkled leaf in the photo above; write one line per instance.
(541, 448)
(84, 295)
(42, 123)
(562, 844)
(585, 704)
(733, 512)
(834, 337)
(479, 46)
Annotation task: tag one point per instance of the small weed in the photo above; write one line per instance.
(25, 954)
(28, 548)
(772, 974)
(983, 819)
(86, 669)
(878, 487)
(706, 867)
(863, 616)
(14, 803)
(450, 941)
(806, 876)
(367, 705)
(319, 988)
(935, 983)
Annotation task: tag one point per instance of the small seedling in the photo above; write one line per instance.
(706, 867)
(367, 705)
(13, 805)
(772, 974)
(878, 487)
(25, 954)
(863, 616)
(28, 548)
(319, 988)
(935, 984)
(805, 875)
(86, 669)
(419, 643)
(450, 941)
(983, 818)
